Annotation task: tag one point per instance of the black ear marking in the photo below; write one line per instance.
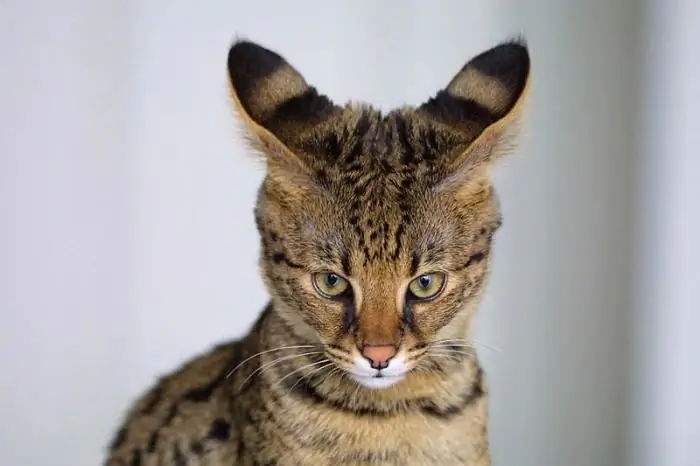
(484, 91)
(479, 111)
(272, 95)
(248, 65)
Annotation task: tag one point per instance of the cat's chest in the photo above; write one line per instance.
(412, 439)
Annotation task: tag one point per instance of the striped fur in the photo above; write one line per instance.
(378, 199)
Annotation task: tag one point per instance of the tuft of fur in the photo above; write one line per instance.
(378, 199)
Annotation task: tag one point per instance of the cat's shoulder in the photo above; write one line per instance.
(182, 404)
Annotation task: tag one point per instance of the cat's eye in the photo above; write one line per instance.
(329, 285)
(427, 286)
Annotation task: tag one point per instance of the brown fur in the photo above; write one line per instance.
(377, 199)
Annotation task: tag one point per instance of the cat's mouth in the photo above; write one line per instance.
(369, 377)
(378, 380)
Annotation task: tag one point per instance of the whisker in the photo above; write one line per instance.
(423, 368)
(464, 343)
(342, 373)
(355, 393)
(450, 350)
(468, 345)
(450, 356)
(301, 369)
(455, 355)
(330, 374)
(491, 347)
(265, 352)
(461, 349)
(447, 340)
(448, 347)
(304, 376)
(274, 362)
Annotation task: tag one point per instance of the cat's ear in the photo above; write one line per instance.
(481, 106)
(279, 109)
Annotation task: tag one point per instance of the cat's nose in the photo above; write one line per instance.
(379, 355)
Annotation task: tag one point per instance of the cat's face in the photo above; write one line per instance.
(376, 229)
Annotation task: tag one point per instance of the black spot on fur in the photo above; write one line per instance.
(171, 415)
(118, 439)
(240, 449)
(409, 318)
(197, 448)
(154, 398)
(474, 259)
(178, 457)
(402, 140)
(398, 238)
(350, 314)
(279, 258)
(220, 430)
(474, 392)
(152, 442)
(345, 263)
(136, 458)
(200, 394)
(203, 394)
(415, 262)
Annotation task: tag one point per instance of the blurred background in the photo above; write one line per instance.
(127, 241)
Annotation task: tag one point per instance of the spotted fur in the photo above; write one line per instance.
(377, 198)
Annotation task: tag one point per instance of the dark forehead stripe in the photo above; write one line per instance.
(374, 142)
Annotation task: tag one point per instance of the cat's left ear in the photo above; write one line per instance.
(480, 108)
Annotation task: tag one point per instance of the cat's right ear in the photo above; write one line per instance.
(278, 108)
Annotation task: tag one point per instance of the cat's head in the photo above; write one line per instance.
(376, 228)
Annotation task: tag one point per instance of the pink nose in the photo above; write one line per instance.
(379, 355)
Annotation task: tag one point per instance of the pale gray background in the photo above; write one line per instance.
(127, 240)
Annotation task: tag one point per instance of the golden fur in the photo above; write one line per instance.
(377, 199)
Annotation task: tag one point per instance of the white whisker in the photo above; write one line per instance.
(463, 342)
(491, 347)
(304, 376)
(330, 374)
(298, 369)
(450, 356)
(265, 352)
(274, 362)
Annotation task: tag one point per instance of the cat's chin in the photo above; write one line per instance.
(377, 382)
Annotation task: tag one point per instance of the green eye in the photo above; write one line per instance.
(427, 286)
(329, 285)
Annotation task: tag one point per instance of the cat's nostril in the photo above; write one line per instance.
(379, 355)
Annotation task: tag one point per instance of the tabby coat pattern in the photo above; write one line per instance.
(376, 232)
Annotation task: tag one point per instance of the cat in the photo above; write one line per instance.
(376, 233)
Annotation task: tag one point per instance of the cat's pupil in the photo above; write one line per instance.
(331, 280)
(425, 281)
